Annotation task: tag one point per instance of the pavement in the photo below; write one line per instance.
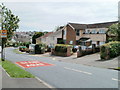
(65, 74)
(8, 82)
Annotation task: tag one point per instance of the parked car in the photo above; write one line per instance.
(22, 48)
(32, 48)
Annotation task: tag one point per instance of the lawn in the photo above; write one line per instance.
(17, 51)
(15, 71)
(118, 68)
(0, 62)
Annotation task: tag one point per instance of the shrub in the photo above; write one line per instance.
(62, 48)
(40, 48)
(113, 49)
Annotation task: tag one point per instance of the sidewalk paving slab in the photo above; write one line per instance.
(8, 82)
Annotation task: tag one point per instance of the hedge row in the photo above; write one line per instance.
(110, 50)
(61, 48)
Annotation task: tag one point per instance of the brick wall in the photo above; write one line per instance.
(70, 35)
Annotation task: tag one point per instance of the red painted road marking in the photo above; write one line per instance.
(28, 64)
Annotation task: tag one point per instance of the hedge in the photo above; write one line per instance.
(62, 48)
(110, 50)
(40, 48)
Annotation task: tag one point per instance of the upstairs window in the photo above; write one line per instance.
(94, 32)
(78, 32)
(102, 31)
(87, 31)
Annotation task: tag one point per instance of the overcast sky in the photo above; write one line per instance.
(45, 16)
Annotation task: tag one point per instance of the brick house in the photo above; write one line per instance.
(73, 32)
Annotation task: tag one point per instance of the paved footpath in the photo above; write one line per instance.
(67, 75)
(8, 82)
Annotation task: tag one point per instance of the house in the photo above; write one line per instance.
(43, 39)
(51, 38)
(23, 36)
(74, 32)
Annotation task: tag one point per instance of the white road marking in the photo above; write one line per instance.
(78, 71)
(115, 79)
(53, 58)
(48, 85)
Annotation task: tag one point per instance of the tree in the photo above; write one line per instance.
(9, 22)
(36, 35)
(115, 31)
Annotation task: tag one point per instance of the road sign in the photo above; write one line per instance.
(3, 33)
(34, 63)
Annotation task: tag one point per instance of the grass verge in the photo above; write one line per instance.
(118, 68)
(16, 51)
(15, 71)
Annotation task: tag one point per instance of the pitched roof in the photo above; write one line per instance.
(46, 35)
(101, 25)
(78, 26)
(96, 25)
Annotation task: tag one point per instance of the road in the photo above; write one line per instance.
(67, 75)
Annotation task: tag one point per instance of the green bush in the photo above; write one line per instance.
(62, 48)
(40, 48)
(15, 44)
(113, 47)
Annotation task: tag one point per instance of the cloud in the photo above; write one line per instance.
(59, 0)
(48, 15)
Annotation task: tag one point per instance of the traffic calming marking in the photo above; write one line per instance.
(78, 71)
(34, 63)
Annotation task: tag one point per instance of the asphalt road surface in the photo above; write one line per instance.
(67, 75)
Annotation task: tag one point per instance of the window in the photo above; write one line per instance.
(87, 31)
(102, 31)
(77, 32)
(94, 31)
(71, 42)
(64, 32)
